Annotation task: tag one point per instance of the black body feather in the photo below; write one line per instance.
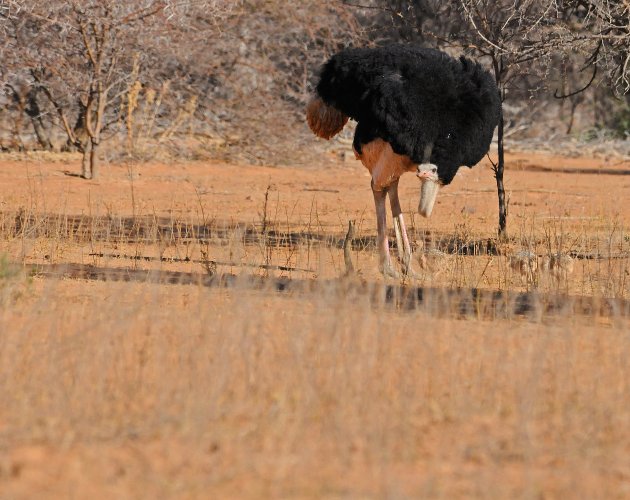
(415, 97)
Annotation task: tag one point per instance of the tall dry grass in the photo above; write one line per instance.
(140, 390)
(592, 255)
(137, 390)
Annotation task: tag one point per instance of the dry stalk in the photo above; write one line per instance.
(347, 245)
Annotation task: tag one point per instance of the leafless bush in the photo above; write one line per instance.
(79, 60)
(269, 59)
(220, 78)
(531, 46)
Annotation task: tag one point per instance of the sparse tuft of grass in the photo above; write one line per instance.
(13, 281)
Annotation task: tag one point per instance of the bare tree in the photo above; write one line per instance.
(601, 28)
(81, 56)
(25, 98)
(515, 37)
(515, 34)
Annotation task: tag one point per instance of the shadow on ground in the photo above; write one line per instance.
(440, 302)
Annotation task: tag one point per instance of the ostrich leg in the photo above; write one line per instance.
(385, 263)
(402, 240)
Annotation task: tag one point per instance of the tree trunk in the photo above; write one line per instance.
(78, 135)
(32, 110)
(94, 159)
(86, 164)
(498, 174)
(18, 143)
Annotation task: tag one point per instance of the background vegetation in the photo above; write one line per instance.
(229, 79)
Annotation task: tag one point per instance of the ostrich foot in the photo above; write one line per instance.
(388, 270)
(404, 248)
(409, 272)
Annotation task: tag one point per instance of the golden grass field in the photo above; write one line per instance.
(189, 331)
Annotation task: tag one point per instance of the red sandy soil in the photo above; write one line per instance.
(538, 186)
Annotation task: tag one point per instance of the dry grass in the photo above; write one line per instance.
(582, 257)
(139, 390)
(144, 390)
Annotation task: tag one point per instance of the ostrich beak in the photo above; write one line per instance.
(427, 173)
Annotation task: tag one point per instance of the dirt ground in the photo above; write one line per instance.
(138, 390)
(555, 205)
(538, 186)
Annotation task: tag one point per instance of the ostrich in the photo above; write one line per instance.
(417, 110)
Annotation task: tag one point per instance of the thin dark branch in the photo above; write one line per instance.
(142, 14)
(374, 7)
(571, 94)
